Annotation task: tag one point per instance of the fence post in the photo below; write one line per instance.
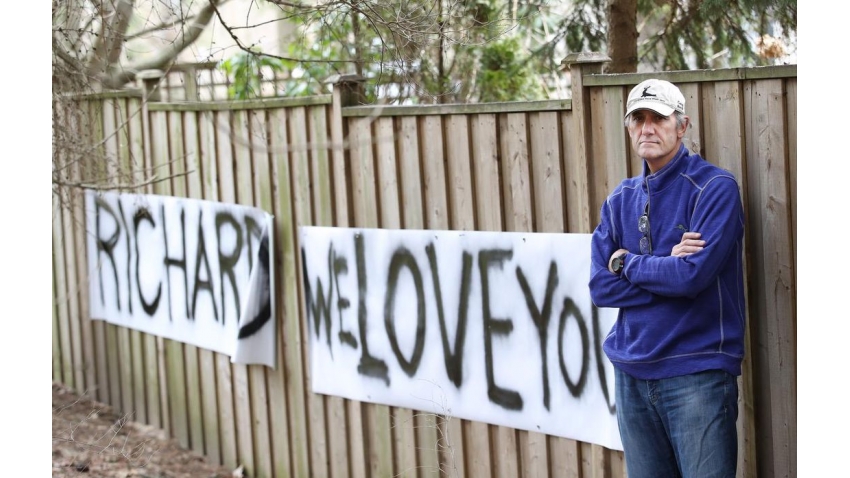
(190, 82)
(579, 65)
(149, 82)
(349, 88)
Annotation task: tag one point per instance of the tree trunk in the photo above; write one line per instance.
(622, 36)
(114, 18)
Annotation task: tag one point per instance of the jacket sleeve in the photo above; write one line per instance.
(718, 216)
(606, 288)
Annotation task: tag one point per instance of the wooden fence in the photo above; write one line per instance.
(542, 167)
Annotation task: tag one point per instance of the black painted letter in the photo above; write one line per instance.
(509, 399)
(403, 258)
(541, 318)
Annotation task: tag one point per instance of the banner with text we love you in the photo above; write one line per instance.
(488, 326)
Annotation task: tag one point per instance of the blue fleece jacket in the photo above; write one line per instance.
(678, 315)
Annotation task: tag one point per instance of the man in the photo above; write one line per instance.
(668, 253)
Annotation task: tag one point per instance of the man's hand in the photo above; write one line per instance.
(690, 244)
(611, 259)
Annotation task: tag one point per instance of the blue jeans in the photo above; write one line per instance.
(680, 427)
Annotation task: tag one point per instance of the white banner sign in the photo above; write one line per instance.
(487, 326)
(189, 270)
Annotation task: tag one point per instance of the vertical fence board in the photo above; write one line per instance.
(547, 182)
(362, 173)
(387, 175)
(184, 141)
(461, 207)
(516, 189)
(201, 185)
(612, 145)
(72, 219)
(413, 217)
(150, 343)
(402, 430)
(78, 277)
(166, 350)
(285, 294)
(178, 386)
(130, 117)
(566, 454)
(459, 173)
(89, 358)
(138, 372)
(258, 387)
(114, 374)
(167, 134)
(56, 266)
(433, 180)
(610, 161)
(790, 326)
(188, 185)
(488, 217)
(317, 144)
(693, 108)
(546, 172)
(120, 142)
(323, 198)
(410, 174)
(532, 197)
(434, 172)
(76, 121)
(564, 457)
(576, 179)
(344, 218)
(303, 196)
(376, 417)
(485, 159)
(724, 145)
(791, 135)
(513, 445)
(61, 297)
(310, 405)
(227, 194)
(774, 285)
(117, 153)
(241, 140)
(61, 338)
(111, 331)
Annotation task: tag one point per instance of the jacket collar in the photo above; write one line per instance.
(666, 175)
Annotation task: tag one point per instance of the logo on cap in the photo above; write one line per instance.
(645, 94)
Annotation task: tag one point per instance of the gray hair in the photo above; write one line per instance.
(680, 120)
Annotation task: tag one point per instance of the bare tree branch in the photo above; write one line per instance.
(121, 75)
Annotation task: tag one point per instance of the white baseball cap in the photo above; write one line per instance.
(660, 96)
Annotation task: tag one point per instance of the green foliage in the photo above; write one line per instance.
(246, 70)
(584, 28)
(444, 51)
(691, 34)
(504, 74)
(307, 75)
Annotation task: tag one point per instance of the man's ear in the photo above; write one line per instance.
(685, 126)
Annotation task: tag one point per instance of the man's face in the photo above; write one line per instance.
(655, 138)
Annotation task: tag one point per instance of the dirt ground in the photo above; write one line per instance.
(91, 440)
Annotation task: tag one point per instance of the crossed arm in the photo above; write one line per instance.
(690, 244)
(693, 264)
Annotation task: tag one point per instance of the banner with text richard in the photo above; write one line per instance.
(190, 270)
